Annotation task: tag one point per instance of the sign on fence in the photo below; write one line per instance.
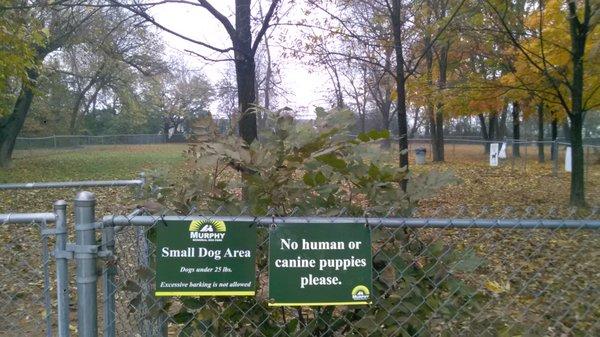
(205, 258)
(319, 264)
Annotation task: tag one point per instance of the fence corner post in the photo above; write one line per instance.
(86, 257)
(62, 269)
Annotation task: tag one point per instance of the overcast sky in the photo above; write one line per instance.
(306, 90)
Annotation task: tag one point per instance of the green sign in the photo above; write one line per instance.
(205, 258)
(314, 264)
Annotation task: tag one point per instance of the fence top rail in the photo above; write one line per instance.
(72, 184)
(122, 221)
(90, 136)
(27, 218)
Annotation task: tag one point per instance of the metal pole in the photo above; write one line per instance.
(555, 166)
(46, 272)
(447, 223)
(108, 281)
(526, 147)
(512, 162)
(142, 185)
(62, 270)
(587, 162)
(71, 184)
(85, 257)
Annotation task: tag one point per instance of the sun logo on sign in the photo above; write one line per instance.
(207, 230)
(207, 226)
(360, 293)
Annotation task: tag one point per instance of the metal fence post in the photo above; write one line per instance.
(62, 271)
(142, 186)
(525, 161)
(512, 156)
(85, 257)
(46, 273)
(555, 162)
(108, 281)
(586, 161)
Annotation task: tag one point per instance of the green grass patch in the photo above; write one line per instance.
(98, 163)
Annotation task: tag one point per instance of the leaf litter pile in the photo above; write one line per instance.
(539, 282)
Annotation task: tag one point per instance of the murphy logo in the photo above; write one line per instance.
(360, 293)
(207, 230)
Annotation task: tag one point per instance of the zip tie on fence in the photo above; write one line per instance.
(162, 217)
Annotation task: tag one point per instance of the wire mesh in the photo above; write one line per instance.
(427, 282)
(27, 302)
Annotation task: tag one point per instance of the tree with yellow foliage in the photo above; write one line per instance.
(558, 62)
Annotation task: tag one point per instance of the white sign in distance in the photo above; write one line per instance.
(494, 154)
(568, 160)
(502, 154)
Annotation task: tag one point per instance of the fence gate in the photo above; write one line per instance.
(438, 277)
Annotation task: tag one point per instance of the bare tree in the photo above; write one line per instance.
(243, 47)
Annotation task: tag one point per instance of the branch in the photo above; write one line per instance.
(543, 71)
(207, 58)
(265, 25)
(433, 41)
(148, 18)
(219, 16)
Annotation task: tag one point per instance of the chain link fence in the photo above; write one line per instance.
(32, 292)
(433, 277)
(78, 141)
(26, 308)
(467, 272)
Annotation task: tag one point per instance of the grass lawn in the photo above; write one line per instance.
(99, 163)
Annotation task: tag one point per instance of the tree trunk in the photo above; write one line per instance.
(385, 122)
(501, 130)
(429, 108)
(492, 131)
(400, 87)
(362, 122)
(566, 131)
(578, 38)
(554, 131)
(438, 149)
(541, 156)
(75, 113)
(484, 133)
(516, 129)
(245, 71)
(488, 130)
(11, 125)
(577, 173)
